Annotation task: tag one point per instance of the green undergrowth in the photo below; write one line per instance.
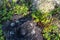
(50, 31)
(7, 10)
(1, 35)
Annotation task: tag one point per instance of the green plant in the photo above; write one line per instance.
(51, 33)
(20, 9)
(9, 9)
(39, 16)
(50, 30)
(1, 35)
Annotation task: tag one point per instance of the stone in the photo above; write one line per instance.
(26, 31)
(57, 2)
(12, 24)
(45, 5)
(33, 31)
(17, 21)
